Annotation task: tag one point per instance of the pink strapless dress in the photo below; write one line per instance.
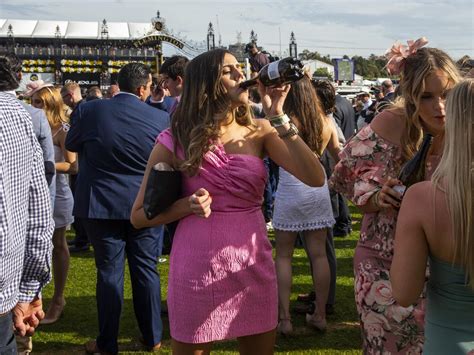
(222, 281)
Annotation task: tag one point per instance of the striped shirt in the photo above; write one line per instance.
(26, 224)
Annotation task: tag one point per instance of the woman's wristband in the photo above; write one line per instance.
(291, 132)
(279, 120)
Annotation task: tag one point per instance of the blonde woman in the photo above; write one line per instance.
(366, 174)
(436, 223)
(45, 96)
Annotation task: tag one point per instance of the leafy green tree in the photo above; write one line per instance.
(323, 72)
(307, 55)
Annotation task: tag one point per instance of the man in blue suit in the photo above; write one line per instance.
(114, 139)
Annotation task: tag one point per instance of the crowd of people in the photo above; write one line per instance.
(285, 158)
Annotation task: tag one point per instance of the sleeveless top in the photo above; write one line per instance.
(449, 321)
(64, 201)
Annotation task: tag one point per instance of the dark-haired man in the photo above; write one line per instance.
(171, 79)
(114, 139)
(172, 72)
(13, 65)
(26, 222)
(257, 59)
(11, 72)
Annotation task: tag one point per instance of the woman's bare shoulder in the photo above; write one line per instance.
(389, 125)
(419, 191)
(328, 126)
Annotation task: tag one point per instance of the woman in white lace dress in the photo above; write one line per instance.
(303, 209)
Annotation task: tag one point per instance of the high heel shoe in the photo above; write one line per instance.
(315, 321)
(53, 313)
(285, 327)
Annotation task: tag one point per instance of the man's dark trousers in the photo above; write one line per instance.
(7, 339)
(343, 224)
(112, 241)
(81, 239)
(270, 188)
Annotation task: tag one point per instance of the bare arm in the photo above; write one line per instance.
(387, 197)
(411, 250)
(199, 203)
(69, 166)
(333, 145)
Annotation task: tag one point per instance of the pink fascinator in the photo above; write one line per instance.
(397, 54)
(34, 86)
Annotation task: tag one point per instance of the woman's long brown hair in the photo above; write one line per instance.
(302, 103)
(194, 125)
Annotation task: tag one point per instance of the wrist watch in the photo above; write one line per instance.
(292, 131)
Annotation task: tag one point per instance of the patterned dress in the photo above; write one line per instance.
(367, 161)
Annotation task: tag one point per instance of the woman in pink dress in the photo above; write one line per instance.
(222, 281)
(366, 174)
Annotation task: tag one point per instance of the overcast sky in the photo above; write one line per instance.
(333, 27)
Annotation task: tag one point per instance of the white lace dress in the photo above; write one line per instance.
(299, 207)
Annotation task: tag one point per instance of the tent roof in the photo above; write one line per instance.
(73, 29)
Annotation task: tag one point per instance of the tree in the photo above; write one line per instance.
(307, 55)
(370, 68)
(322, 72)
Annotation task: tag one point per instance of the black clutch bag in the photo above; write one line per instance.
(163, 188)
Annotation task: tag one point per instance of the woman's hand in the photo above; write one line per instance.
(387, 197)
(200, 203)
(273, 98)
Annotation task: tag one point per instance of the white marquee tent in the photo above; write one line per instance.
(89, 30)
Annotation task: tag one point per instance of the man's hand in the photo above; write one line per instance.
(26, 317)
(158, 93)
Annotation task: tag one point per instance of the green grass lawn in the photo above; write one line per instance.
(79, 321)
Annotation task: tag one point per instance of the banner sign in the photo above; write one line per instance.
(27, 77)
(157, 39)
(83, 79)
(344, 69)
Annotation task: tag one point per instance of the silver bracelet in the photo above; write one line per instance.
(292, 131)
(280, 120)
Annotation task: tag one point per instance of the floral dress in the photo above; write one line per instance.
(367, 161)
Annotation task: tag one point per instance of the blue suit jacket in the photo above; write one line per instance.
(114, 139)
(45, 139)
(167, 103)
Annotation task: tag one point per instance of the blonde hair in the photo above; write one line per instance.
(454, 174)
(71, 86)
(193, 124)
(417, 68)
(53, 106)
